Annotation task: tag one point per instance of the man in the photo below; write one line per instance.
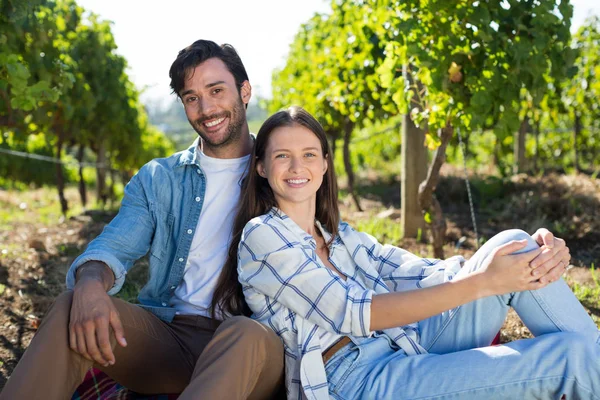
(180, 209)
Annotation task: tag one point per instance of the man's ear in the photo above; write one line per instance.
(260, 169)
(246, 92)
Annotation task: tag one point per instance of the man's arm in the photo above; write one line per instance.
(126, 238)
(93, 313)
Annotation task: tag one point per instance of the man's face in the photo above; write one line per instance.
(214, 106)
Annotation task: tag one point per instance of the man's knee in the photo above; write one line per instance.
(252, 334)
(60, 311)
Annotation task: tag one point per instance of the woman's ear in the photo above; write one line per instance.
(260, 169)
(325, 163)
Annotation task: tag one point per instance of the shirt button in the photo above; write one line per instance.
(180, 259)
(164, 304)
(198, 171)
(197, 199)
(173, 287)
(189, 231)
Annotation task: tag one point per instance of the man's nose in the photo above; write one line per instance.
(207, 106)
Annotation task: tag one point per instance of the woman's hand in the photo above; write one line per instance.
(507, 272)
(554, 259)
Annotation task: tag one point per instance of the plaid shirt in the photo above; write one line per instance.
(290, 290)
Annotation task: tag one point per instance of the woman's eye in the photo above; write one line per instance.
(281, 156)
(310, 155)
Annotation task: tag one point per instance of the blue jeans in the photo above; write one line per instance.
(564, 358)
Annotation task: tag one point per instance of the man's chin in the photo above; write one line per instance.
(213, 141)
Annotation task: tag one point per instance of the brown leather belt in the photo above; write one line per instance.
(331, 350)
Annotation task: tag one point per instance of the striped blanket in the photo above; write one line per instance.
(99, 386)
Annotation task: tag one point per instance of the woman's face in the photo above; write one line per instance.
(294, 165)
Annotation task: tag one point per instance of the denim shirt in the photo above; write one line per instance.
(159, 213)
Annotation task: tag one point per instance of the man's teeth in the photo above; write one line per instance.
(215, 122)
(297, 181)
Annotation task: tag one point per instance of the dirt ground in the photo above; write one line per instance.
(34, 256)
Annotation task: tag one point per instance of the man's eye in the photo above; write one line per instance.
(191, 99)
(217, 90)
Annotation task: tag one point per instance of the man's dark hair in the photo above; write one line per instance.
(200, 51)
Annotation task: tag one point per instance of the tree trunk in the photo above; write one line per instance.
(60, 179)
(332, 142)
(519, 148)
(536, 156)
(429, 204)
(82, 188)
(497, 157)
(126, 177)
(576, 133)
(414, 171)
(101, 174)
(111, 189)
(348, 127)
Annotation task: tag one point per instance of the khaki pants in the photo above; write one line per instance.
(239, 359)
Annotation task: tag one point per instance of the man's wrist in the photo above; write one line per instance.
(95, 271)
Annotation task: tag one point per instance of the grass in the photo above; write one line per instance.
(589, 295)
(40, 205)
(383, 229)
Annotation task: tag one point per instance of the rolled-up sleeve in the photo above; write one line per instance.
(284, 271)
(124, 240)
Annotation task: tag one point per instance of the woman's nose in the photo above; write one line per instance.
(295, 164)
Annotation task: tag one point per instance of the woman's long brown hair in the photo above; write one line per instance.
(257, 199)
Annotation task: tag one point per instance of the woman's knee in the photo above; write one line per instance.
(510, 235)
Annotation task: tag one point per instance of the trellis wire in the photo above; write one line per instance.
(464, 154)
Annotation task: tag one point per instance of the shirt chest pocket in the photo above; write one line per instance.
(162, 234)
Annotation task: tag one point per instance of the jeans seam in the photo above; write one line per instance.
(441, 396)
(351, 367)
(443, 328)
(544, 307)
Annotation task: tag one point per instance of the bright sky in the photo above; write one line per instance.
(150, 33)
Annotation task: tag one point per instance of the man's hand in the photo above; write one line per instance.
(92, 315)
(554, 258)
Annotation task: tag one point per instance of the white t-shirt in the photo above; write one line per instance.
(213, 234)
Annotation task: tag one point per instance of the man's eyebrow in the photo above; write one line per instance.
(212, 84)
(183, 94)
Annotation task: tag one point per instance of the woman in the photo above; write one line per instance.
(363, 320)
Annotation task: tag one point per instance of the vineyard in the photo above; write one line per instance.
(448, 120)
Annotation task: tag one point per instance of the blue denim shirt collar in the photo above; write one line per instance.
(189, 156)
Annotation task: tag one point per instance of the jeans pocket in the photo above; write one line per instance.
(341, 366)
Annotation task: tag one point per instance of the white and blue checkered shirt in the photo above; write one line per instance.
(290, 290)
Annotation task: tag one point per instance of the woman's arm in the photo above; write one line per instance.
(284, 272)
(501, 273)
